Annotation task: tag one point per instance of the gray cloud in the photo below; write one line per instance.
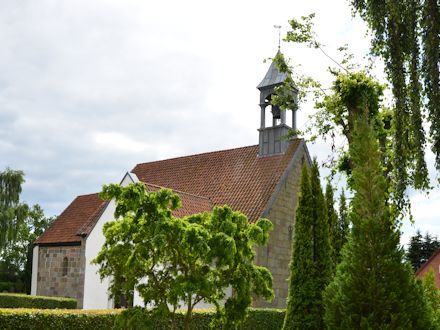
(89, 88)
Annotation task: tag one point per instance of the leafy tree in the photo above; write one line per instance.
(12, 211)
(175, 262)
(333, 225)
(373, 288)
(421, 248)
(402, 36)
(16, 257)
(311, 264)
(406, 36)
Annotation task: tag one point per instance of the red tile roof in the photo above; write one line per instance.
(83, 210)
(237, 177)
(79, 218)
(191, 204)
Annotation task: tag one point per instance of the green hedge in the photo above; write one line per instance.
(267, 319)
(15, 300)
(35, 319)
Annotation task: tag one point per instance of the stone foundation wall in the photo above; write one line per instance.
(54, 278)
(277, 253)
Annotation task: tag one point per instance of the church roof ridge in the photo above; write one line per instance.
(177, 191)
(194, 155)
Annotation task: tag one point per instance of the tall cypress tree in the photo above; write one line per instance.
(343, 226)
(311, 264)
(373, 288)
(333, 225)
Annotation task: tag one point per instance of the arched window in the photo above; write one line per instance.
(65, 266)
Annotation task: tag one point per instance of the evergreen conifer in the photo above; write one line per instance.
(373, 288)
(333, 226)
(311, 262)
(343, 226)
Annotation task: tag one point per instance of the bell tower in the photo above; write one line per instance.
(273, 139)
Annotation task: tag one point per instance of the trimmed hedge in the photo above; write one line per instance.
(11, 319)
(42, 319)
(267, 319)
(16, 300)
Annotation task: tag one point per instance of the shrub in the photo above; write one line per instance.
(14, 300)
(66, 319)
(32, 319)
(140, 319)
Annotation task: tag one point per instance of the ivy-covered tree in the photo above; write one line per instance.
(373, 288)
(421, 248)
(311, 264)
(176, 263)
(333, 225)
(12, 211)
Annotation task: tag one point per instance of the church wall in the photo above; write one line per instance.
(277, 253)
(96, 291)
(96, 295)
(61, 272)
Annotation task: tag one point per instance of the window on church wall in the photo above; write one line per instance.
(65, 266)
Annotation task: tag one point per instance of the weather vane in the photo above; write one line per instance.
(279, 35)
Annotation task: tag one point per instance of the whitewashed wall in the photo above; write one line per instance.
(34, 271)
(96, 291)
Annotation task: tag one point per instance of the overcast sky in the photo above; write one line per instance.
(90, 88)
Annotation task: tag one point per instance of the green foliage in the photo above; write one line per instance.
(333, 226)
(12, 211)
(16, 257)
(34, 319)
(175, 263)
(403, 32)
(430, 27)
(351, 93)
(373, 288)
(421, 248)
(311, 264)
(432, 295)
(343, 227)
(14, 300)
(141, 319)
(12, 319)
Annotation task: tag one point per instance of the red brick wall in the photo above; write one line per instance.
(434, 264)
